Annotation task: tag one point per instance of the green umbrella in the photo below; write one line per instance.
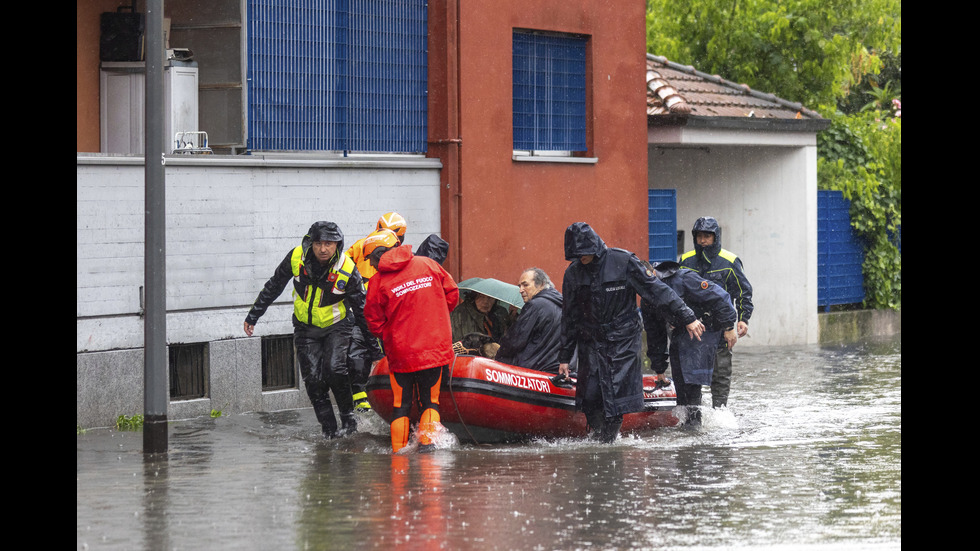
(504, 292)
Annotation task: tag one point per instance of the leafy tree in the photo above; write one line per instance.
(876, 90)
(808, 51)
(861, 155)
(839, 57)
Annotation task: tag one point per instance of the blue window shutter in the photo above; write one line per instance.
(663, 224)
(342, 75)
(549, 92)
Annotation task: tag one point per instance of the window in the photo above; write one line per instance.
(550, 108)
(188, 370)
(665, 240)
(337, 75)
(278, 365)
(213, 31)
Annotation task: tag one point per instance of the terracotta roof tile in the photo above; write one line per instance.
(675, 89)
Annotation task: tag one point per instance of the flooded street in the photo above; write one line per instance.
(808, 457)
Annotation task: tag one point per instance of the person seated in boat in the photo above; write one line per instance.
(535, 337)
(691, 361)
(477, 313)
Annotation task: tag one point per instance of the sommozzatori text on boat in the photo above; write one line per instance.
(482, 401)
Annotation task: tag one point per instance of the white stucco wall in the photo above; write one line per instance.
(764, 196)
(229, 223)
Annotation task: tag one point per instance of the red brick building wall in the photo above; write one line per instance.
(500, 215)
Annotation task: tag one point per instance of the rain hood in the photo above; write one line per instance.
(435, 248)
(707, 224)
(324, 231)
(582, 240)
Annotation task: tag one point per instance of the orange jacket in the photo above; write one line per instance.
(356, 253)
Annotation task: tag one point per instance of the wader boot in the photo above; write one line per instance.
(693, 420)
(324, 414)
(428, 428)
(603, 429)
(721, 378)
(340, 384)
(611, 429)
(348, 424)
(595, 421)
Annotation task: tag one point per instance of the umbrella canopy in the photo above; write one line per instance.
(504, 292)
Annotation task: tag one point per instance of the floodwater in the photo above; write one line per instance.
(808, 457)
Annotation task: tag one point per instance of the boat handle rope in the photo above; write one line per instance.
(453, 396)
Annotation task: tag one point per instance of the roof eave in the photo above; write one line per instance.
(739, 123)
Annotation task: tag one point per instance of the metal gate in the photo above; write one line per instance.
(840, 253)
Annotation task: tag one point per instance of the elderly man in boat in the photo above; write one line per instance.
(535, 337)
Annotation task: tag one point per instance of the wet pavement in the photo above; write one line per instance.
(808, 457)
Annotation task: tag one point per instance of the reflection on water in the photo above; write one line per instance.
(808, 456)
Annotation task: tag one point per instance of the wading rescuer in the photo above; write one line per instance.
(600, 317)
(723, 267)
(691, 362)
(360, 356)
(327, 293)
(408, 305)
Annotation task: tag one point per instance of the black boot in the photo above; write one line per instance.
(596, 423)
(610, 430)
(359, 369)
(361, 403)
(324, 414)
(693, 417)
(348, 424)
(340, 384)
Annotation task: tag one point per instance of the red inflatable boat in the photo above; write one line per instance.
(482, 401)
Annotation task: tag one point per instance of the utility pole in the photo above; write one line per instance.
(155, 366)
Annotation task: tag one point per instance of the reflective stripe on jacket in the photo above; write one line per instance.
(725, 269)
(312, 304)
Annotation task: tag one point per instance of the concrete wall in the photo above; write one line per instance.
(764, 197)
(110, 384)
(842, 327)
(230, 221)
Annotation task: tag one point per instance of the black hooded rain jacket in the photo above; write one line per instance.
(532, 341)
(710, 303)
(601, 318)
(434, 247)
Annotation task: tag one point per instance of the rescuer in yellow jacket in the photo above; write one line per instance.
(328, 300)
(723, 267)
(360, 356)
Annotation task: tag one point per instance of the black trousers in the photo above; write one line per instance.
(322, 357)
(358, 360)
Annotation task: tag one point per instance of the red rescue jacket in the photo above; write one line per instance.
(408, 305)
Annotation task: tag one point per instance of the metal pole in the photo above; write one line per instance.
(155, 366)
